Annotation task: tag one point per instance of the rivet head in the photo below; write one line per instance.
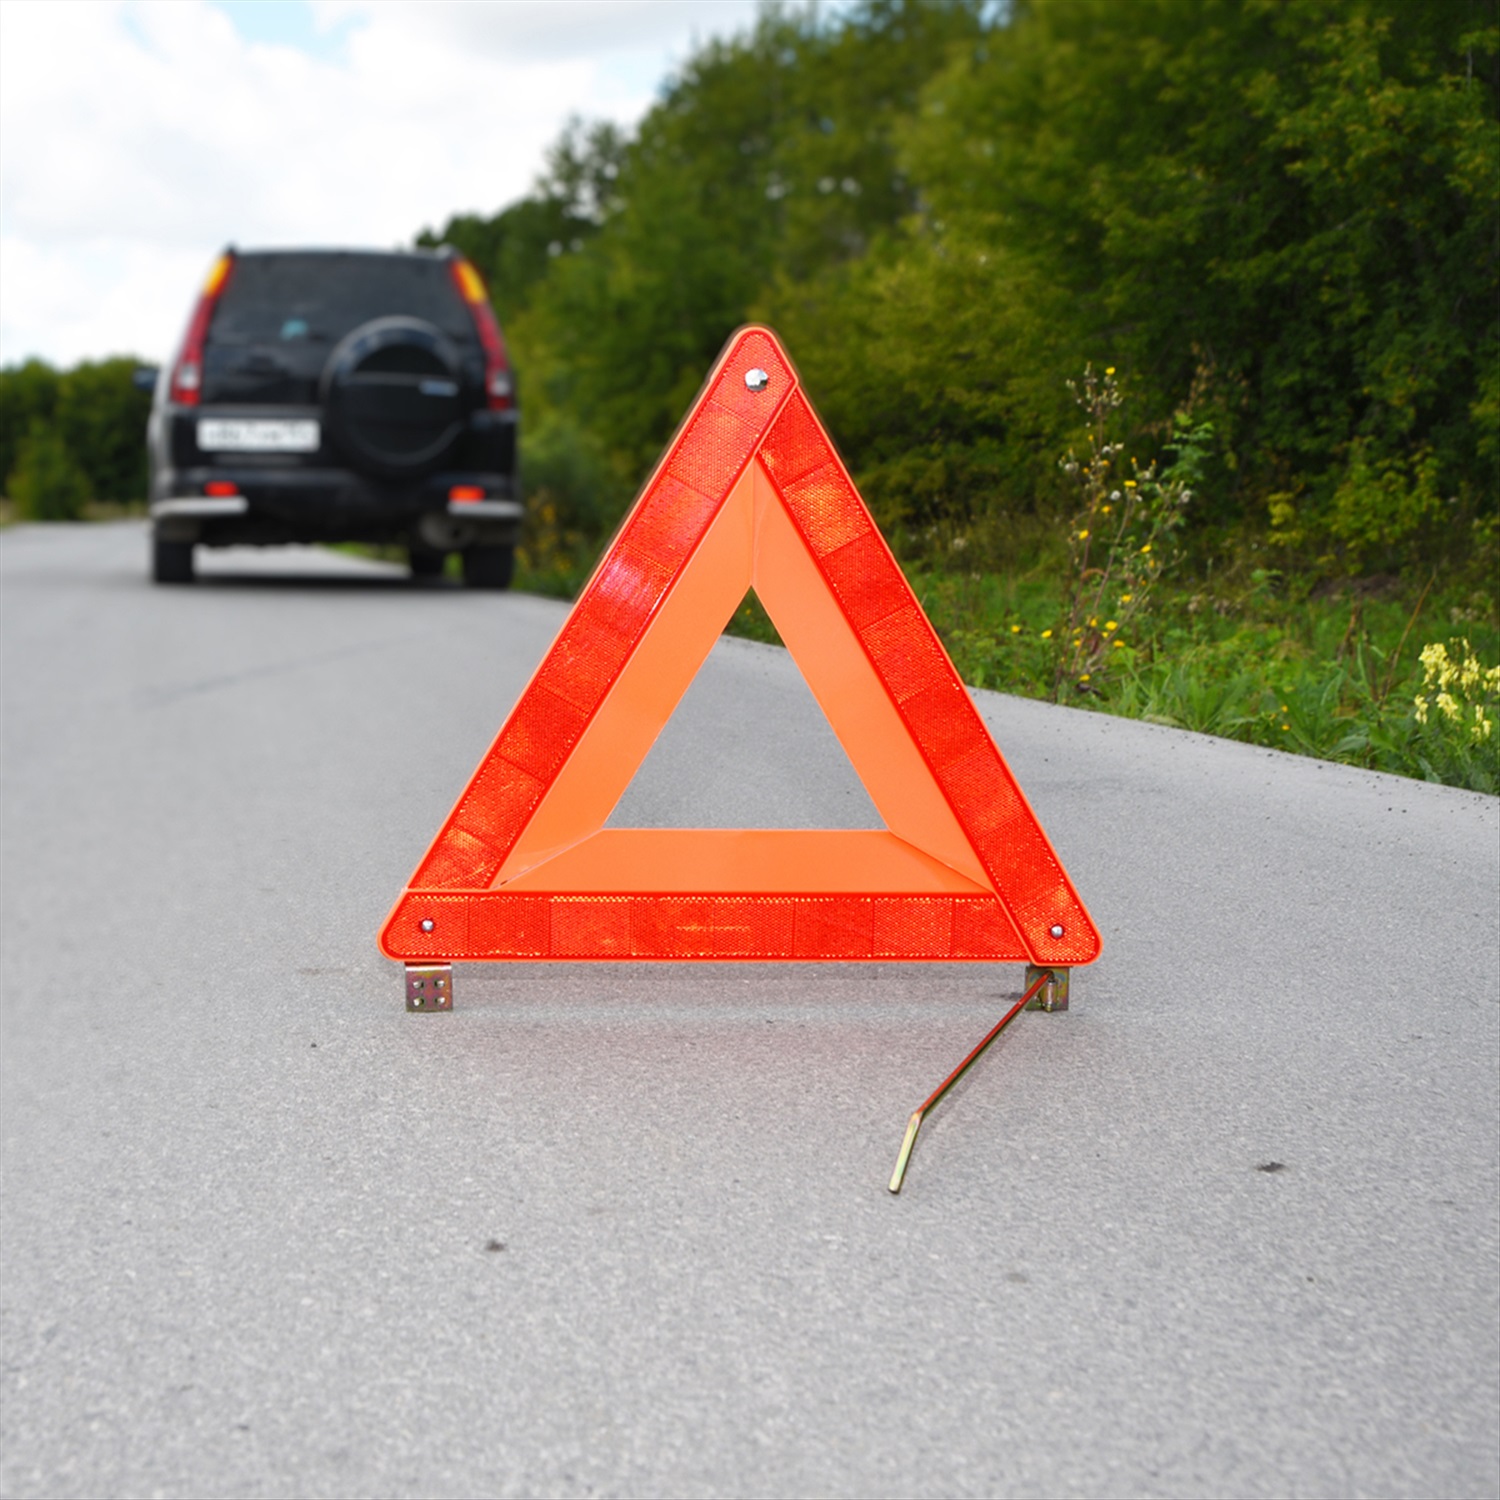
(1056, 930)
(428, 924)
(756, 380)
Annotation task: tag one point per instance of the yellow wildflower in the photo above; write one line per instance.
(1046, 635)
(1111, 625)
(1015, 630)
(1147, 547)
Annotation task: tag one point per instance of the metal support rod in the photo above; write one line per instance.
(914, 1124)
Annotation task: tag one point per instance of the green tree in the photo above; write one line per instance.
(97, 413)
(514, 249)
(101, 419)
(770, 156)
(28, 394)
(46, 484)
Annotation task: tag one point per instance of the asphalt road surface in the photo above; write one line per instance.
(625, 1230)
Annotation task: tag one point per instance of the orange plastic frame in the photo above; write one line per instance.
(749, 495)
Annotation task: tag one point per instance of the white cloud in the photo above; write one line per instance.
(138, 138)
(525, 31)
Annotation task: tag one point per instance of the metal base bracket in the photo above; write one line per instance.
(429, 987)
(1054, 993)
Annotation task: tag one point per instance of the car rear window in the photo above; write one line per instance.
(316, 297)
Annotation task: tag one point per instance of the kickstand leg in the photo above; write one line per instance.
(1042, 982)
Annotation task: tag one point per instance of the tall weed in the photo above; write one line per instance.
(1264, 661)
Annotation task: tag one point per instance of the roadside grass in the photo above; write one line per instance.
(114, 510)
(93, 510)
(1341, 675)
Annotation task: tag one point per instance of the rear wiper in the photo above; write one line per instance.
(260, 362)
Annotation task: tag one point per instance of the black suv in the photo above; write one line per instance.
(338, 396)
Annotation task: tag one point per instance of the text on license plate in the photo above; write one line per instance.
(257, 435)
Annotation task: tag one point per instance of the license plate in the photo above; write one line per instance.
(257, 435)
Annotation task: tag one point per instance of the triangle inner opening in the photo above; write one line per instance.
(746, 748)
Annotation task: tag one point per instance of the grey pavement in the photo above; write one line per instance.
(616, 1230)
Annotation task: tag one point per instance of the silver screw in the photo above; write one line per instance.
(427, 924)
(756, 380)
(1056, 929)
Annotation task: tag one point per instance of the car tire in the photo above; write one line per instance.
(426, 562)
(489, 567)
(171, 562)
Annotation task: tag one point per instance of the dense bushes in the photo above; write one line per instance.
(1276, 217)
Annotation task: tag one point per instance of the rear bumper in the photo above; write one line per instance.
(199, 508)
(287, 504)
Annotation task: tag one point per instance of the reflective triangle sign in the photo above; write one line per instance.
(750, 494)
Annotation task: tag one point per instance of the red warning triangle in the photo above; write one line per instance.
(750, 494)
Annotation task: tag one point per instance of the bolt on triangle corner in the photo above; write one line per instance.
(750, 492)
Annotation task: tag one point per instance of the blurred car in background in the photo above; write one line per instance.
(338, 396)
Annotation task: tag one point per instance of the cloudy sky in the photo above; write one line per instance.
(137, 137)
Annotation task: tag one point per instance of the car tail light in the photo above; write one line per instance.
(466, 492)
(499, 388)
(221, 487)
(187, 373)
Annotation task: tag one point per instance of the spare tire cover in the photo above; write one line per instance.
(393, 395)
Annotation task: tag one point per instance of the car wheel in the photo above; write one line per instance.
(424, 562)
(489, 567)
(171, 562)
